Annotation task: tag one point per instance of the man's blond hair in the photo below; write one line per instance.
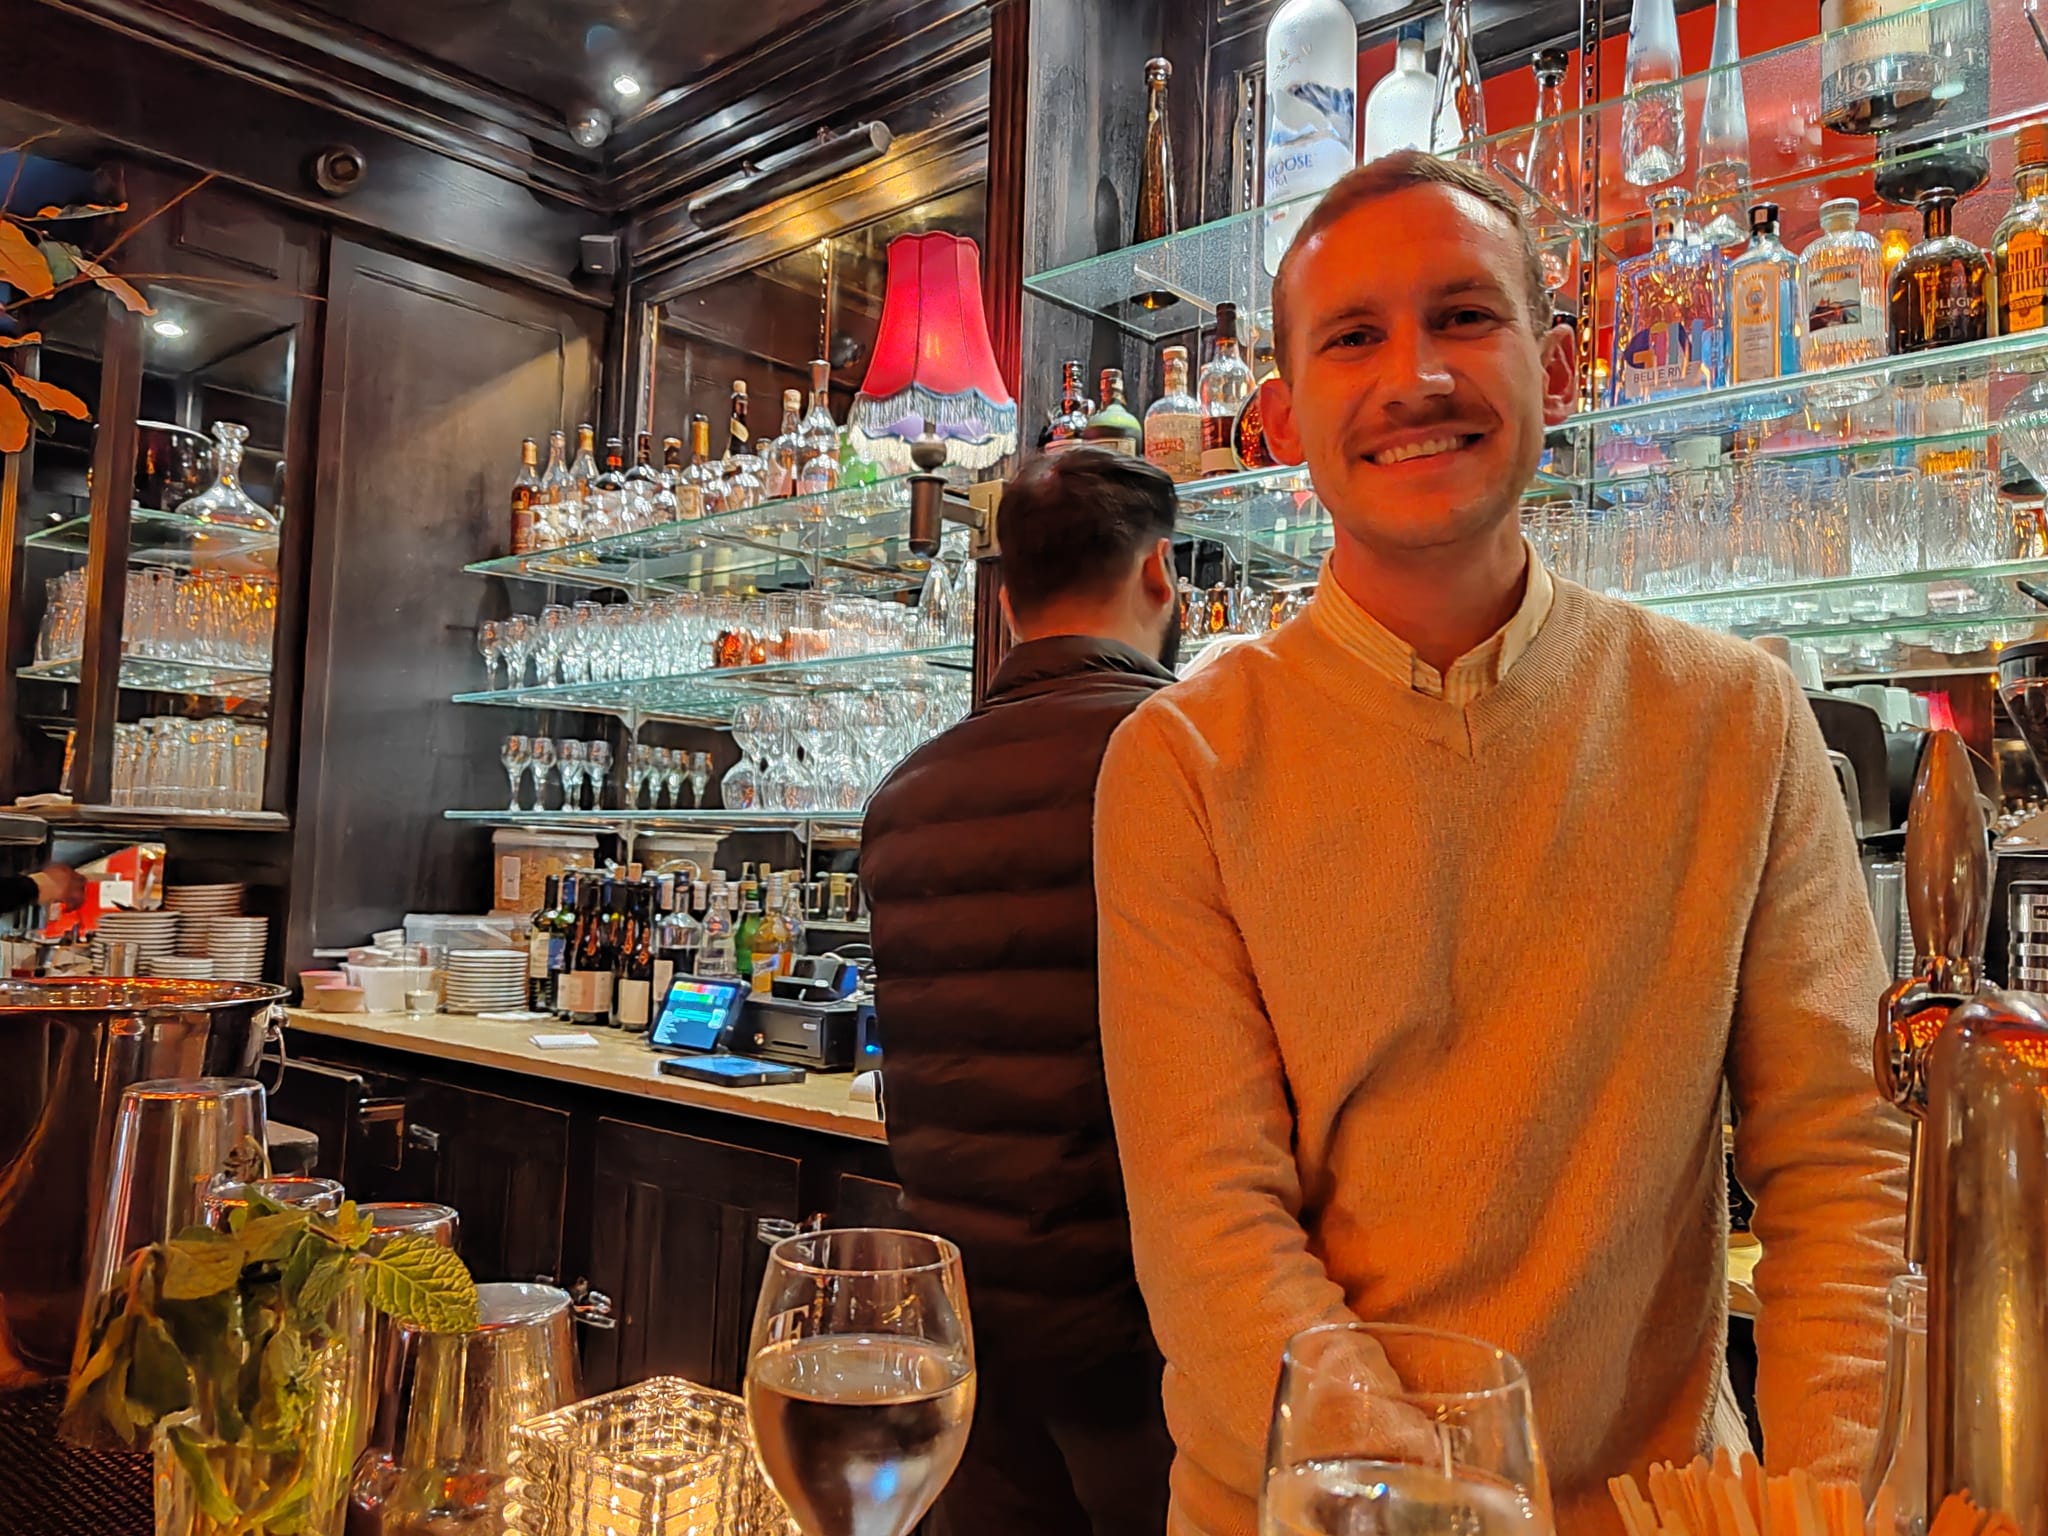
(1397, 172)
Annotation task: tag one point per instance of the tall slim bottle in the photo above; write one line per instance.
(1460, 113)
(1721, 192)
(1311, 111)
(585, 990)
(2019, 248)
(551, 514)
(717, 956)
(739, 477)
(697, 489)
(784, 457)
(1652, 105)
(1553, 198)
(525, 498)
(1157, 216)
(666, 508)
(633, 992)
(1763, 305)
(819, 436)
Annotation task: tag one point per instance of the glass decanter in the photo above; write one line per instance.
(224, 504)
(1652, 104)
(1669, 308)
(1897, 1479)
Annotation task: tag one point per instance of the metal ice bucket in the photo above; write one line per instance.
(67, 1049)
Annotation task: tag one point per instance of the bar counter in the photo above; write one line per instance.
(617, 1063)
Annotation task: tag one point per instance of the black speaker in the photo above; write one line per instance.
(599, 256)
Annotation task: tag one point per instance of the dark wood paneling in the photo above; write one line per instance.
(106, 563)
(672, 1243)
(427, 385)
(503, 1163)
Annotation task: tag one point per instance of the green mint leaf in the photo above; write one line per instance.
(322, 1285)
(415, 1280)
(193, 1268)
(193, 1457)
(159, 1382)
(270, 1239)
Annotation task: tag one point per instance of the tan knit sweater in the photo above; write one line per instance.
(1420, 1013)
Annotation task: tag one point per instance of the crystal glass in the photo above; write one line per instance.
(516, 755)
(700, 778)
(515, 639)
(1721, 190)
(487, 645)
(640, 770)
(1669, 309)
(2023, 428)
(1385, 1429)
(1884, 521)
(574, 763)
(1895, 1486)
(664, 1458)
(678, 764)
(551, 635)
(599, 755)
(1842, 300)
(1652, 105)
(1962, 520)
(860, 1377)
(544, 759)
(224, 504)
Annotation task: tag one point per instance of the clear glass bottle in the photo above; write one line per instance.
(1311, 111)
(1876, 73)
(1763, 304)
(1112, 426)
(1941, 293)
(716, 953)
(1397, 109)
(551, 509)
(666, 507)
(1460, 108)
(697, 488)
(1652, 104)
(1669, 303)
(1070, 421)
(1553, 197)
(1156, 213)
(1897, 1478)
(1225, 382)
(1842, 300)
(818, 436)
(224, 504)
(2019, 248)
(1721, 190)
(525, 496)
(1173, 422)
(785, 456)
(643, 484)
(739, 473)
(1947, 147)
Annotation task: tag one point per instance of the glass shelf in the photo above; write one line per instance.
(850, 540)
(1857, 606)
(710, 820)
(144, 818)
(1858, 450)
(711, 694)
(168, 538)
(150, 675)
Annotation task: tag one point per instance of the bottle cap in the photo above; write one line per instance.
(1838, 206)
(792, 398)
(1763, 218)
(1158, 71)
(1551, 62)
(2030, 145)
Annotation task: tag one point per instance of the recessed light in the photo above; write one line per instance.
(167, 328)
(625, 85)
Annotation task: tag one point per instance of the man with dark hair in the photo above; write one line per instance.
(981, 883)
(1434, 921)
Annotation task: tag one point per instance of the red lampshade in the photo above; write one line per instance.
(933, 360)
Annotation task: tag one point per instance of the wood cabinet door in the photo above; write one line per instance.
(672, 1243)
(503, 1164)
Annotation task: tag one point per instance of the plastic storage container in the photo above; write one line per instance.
(521, 862)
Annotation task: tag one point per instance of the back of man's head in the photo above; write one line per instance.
(1075, 527)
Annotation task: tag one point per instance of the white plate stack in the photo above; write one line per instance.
(199, 905)
(485, 980)
(179, 966)
(154, 934)
(235, 946)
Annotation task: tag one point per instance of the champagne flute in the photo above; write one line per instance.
(860, 1379)
(515, 755)
(1380, 1428)
(487, 645)
(543, 765)
(700, 778)
(600, 756)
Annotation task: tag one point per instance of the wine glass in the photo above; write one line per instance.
(678, 765)
(487, 645)
(860, 1377)
(1386, 1428)
(515, 755)
(543, 765)
(574, 764)
(554, 637)
(600, 757)
(515, 636)
(700, 778)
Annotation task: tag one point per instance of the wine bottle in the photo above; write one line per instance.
(540, 939)
(585, 993)
(632, 995)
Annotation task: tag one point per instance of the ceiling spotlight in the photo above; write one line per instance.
(590, 127)
(167, 328)
(625, 85)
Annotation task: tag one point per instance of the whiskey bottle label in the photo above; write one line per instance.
(1175, 445)
(1217, 457)
(2023, 284)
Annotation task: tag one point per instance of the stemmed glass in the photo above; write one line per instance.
(638, 774)
(487, 644)
(1378, 1428)
(678, 764)
(600, 755)
(700, 778)
(860, 1377)
(574, 764)
(552, 636)
(543, 765)
(516, 754)
(515, 635)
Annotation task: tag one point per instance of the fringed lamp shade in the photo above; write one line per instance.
(933, 361)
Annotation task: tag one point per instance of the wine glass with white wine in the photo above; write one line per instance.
(860, 1379)
(1386, 1431)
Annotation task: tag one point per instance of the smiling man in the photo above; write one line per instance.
(1433, 922)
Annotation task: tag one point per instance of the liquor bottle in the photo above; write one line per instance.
(1842, 297)
(739, 476)
(717, 956)
(678, 939)
(584, 991)
(1941, 293)
(743, 936)
(543, 948)
(1722, 187)
(819, 435)
(1763, 304)
(1156, 216)
(1112, 427)
(667, 507)
(784, 457)
(1876, 74)
(551, 507)
(633, 994)
(1311, 112)
(1225, 383)
(2019, 248)
(793, 919)
(768, 945)
(1173, 423)
(697, 490)
(1248, 432)
(1460, 108)
(583, 471)
(643, 484)
(525, 495)
(1547, 172)
(1398, 106)
(1070, 421)
(1947, 147)
(1652, 103)
(1668, 310)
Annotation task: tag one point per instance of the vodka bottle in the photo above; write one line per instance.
(1397, 110)
(1668, 310)
(1311, 110)
(1652, 104)
(1722, 188)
